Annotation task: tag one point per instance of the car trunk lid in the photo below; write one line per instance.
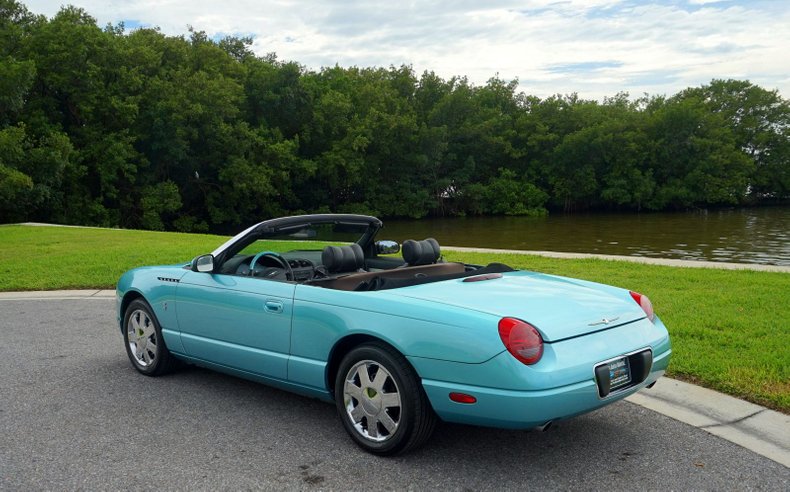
(558, 307)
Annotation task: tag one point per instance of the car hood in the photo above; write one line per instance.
(558, 307)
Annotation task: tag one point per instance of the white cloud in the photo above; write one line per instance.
(604, 46)
(705, 2)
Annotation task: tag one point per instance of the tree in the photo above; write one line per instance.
(31, 173)
(140, 129)
(760, 122)
(507, 195)
(696, 160)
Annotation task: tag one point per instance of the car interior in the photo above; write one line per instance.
(422, 263)
(344, 267)
(340, 252)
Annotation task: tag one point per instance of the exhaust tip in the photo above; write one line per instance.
(651, 385)
(545, 427)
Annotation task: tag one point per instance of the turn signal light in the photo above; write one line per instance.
(644, 303)
(521, 339)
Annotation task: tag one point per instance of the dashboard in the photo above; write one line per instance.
(304, 265)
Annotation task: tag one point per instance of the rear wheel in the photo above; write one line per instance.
(381, 402)
(143, 340)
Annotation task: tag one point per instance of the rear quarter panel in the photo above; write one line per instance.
(415, 328)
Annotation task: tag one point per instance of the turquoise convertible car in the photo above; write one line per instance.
(396, 337)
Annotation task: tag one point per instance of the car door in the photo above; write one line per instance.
(239, 322)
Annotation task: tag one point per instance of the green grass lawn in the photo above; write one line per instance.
(730, 328)
(47, 258)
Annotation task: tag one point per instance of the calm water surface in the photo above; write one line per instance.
(760, 235)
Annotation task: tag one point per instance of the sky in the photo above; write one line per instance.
(595, 48)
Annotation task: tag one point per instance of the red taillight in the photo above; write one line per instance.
(644, 303)
(521, 339)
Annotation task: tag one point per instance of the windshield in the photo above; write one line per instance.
(307, 238)
(298, 244)
(299, 237)
(321, 234)
(309, 232)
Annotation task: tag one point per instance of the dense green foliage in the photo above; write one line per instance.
(729, 328)
(138, 129)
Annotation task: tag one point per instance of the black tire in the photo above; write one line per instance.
(413, 417)
(142, 337)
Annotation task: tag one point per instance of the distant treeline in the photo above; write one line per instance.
(139, 129)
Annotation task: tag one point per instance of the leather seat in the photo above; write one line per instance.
(340, 259)
(425, 252)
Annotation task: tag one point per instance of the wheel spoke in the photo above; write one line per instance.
(148, 330)
(379, 380)
(147, 356)
(150, 349)
(357, 413)
(135, 322)
(353, 390)
(387, 422)
(389, 400)
(364, 377)
(373, 428)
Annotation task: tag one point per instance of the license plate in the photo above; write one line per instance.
(619, 373)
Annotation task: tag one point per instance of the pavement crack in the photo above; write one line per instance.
(719, 424)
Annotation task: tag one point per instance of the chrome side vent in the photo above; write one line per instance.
(168, 279)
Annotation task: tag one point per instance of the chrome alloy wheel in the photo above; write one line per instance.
(372, 400)
(141, 336)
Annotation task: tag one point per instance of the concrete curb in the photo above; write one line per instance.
(57, 294)
(751, 426)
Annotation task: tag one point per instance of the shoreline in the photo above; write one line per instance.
(720, 265)
(673, 262)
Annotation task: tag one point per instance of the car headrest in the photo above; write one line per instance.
(422, 252)
(343, 258)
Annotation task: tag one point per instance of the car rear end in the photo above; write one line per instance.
(569, 347)
(564, 383)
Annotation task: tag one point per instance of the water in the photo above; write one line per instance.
(757, 235)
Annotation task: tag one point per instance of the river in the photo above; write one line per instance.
(753, 235)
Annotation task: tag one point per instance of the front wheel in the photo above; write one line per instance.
(142, 337)
(381, 402)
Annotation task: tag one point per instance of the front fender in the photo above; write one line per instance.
(157, 286)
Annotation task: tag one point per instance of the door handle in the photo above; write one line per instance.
(272, 306)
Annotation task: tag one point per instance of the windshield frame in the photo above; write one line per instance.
(273, 227)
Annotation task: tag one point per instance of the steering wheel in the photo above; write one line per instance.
(289, 274)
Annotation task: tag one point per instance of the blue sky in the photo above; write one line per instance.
(593, 47)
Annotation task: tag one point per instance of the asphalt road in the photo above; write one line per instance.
(75, 415)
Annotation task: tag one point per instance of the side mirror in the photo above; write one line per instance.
(203, 263)
(386, 247)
